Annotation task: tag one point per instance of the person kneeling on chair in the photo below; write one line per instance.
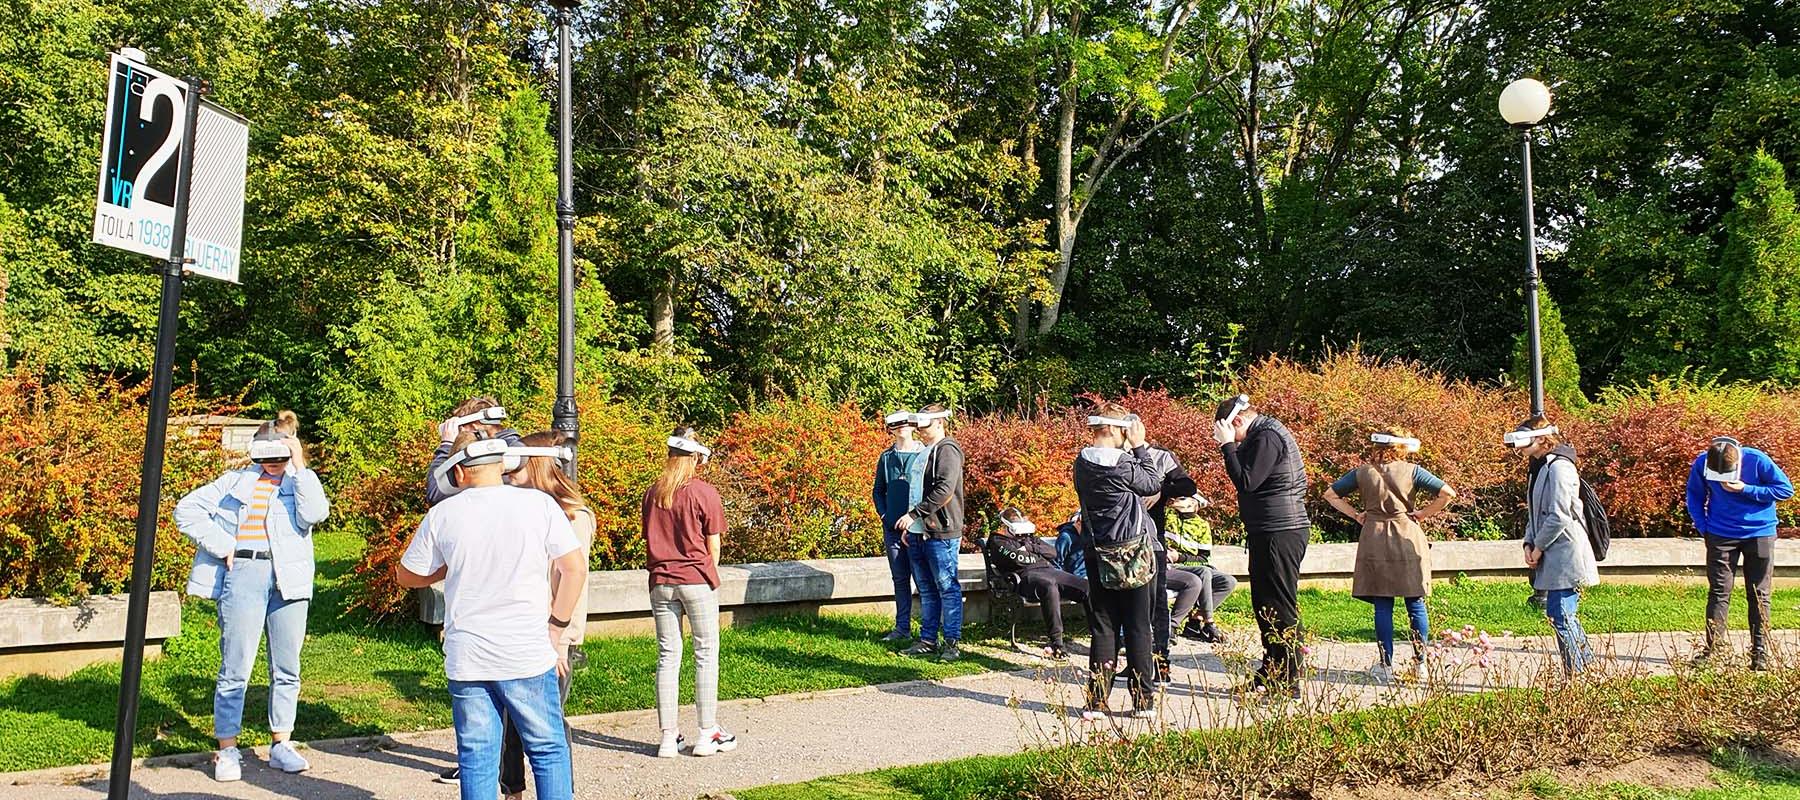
(1016, 552)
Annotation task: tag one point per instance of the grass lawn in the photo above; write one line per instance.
(362, 679)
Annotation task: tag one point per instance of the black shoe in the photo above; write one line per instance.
(1703, 660)
(451, 776)
(950, 652)
(1211, 634)
(1194, 630)
(920, 648)
(1759, 661)
(1162, 674)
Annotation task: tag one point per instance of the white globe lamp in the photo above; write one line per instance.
(1524, 102)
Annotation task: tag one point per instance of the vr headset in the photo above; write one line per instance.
(269, 451)
(1238, 406)
(897, 419)
(1020, 526)
(1734, 475)
(488, 451)
(687, 445)
(1522, 439)
(489, 414)
(1399, 441)
(922, 419)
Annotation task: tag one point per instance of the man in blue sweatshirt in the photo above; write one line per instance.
(1731, 494)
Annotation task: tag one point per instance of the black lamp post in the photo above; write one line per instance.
(1523, 104)
(563, 415)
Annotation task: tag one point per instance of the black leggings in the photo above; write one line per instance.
(1131, 609)
(1049, 588)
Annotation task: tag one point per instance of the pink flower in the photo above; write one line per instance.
(1306, 649)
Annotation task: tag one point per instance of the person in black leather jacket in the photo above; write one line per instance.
(1112, 478)
(1265, 465)
(1016, 551)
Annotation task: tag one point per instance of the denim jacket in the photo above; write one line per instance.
(210, 516)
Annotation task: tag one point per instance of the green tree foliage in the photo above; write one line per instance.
(1758, 315)
(1562, 372)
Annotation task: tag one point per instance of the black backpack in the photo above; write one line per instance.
(1593, 518)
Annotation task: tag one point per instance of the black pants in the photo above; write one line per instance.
(1159, 629)
(1275, 558)
(1188, 589)
(1110, 610)
(512, 750)
(1722, 558)
(1049, 588)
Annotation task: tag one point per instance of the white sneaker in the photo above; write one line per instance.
(1093, 715)
(671, 745)
(1382, 673)
(715, 741)
(228, 765)
(1419, 671)
(284, 757)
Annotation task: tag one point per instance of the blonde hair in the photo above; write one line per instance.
(546, 475)
(677, 471)
(1388, 453)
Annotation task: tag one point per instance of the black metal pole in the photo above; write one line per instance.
(150, 481)
(1531, 285)
(564, 416)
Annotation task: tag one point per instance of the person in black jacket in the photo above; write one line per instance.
(1112, 483)
(1265, 466)
(934, 542)
(1016, 551)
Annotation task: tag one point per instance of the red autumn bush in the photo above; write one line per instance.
(1020, 461)
(69, 485)
(797, 477)
(1637, 446)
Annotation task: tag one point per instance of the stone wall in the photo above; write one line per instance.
(37, 637)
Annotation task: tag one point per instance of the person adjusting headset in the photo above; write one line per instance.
(252, 531)
(477, 414)
(1731, 495)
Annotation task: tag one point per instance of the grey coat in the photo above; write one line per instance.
(1554, 526)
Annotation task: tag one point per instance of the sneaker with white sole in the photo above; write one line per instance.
(715, 741)
(671, 745)
(228, 765)
(1091, 714)
(450, 777)
(1382, 673)
(284, 757)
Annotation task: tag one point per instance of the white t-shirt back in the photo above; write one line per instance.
(498, 542)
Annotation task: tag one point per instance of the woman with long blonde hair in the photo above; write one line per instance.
(1393, 558)
(684, 521)
(543, 471)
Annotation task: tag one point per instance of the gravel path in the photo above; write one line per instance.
(800, 737)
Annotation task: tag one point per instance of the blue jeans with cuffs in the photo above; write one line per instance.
(249, 604)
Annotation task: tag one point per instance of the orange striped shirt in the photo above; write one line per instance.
(255, 529)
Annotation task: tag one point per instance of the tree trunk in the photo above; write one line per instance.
(662, 316)
(1068, 219)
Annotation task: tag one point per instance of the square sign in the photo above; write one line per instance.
(140, 159)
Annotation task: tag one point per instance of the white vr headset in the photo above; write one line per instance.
(1734, 476)
(1238, 406)
(898, 418)
(487, 451)
(687, 445)
(924, 418)
(489, 414)
(267, 450)
(1017, 527)
(1111, 421)
(1522, 439)
(1388, 438)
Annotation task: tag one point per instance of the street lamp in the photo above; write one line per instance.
(563, 415)
(1523, 104)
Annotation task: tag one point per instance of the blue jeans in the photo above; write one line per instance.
(535, 707)
(900, 567)
(1384, 626)
(1560, 606)
(249, 604)
(940, 594)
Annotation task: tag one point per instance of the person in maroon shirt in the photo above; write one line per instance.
(683, 523)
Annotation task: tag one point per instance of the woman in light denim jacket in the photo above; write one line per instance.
(1556, 539)
(254, 554)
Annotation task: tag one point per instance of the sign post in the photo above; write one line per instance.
(144, 208)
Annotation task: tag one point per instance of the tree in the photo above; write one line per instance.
(1758, 315)
(1562, 372)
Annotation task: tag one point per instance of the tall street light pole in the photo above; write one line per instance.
(563, 415)
(1523, 104)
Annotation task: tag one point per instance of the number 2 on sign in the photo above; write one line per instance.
(157, 89)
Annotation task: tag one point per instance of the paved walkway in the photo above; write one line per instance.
(800, 737)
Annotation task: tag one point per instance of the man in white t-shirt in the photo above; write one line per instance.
(489, 543)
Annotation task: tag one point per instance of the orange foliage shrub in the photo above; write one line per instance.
(1020, 461)
(797, 477)
(69, 467)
